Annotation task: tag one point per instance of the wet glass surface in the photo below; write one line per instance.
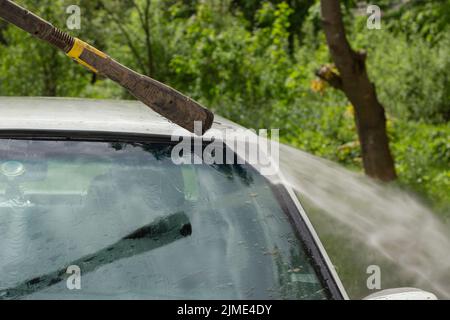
(117, 210)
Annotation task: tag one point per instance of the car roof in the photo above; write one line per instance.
(92, 115)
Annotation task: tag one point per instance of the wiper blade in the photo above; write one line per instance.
(159, 233)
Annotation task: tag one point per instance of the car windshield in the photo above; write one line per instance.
(97, 219)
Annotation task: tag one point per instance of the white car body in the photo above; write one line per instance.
(27, 116)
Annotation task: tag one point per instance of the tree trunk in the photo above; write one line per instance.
(354, 82)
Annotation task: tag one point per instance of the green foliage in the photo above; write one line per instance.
(427, 19)
(422, 153)
(41, 70)
(238, 72)
(412, 78)
(32, 68)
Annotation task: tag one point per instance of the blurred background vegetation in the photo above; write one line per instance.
(254, 62)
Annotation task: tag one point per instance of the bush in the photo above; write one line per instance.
(411, 76)
(422, 154)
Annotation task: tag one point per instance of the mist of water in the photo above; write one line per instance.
(382, 218)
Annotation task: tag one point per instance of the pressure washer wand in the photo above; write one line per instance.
(163, 99)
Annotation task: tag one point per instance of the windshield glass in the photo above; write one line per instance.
(121, 220)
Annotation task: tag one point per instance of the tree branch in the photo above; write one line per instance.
(333, 25)
(148, 39)
(125, 33)
(328, 75)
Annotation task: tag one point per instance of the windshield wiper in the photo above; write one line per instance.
(159, 233)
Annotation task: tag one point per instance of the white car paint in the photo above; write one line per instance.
(133, 117)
